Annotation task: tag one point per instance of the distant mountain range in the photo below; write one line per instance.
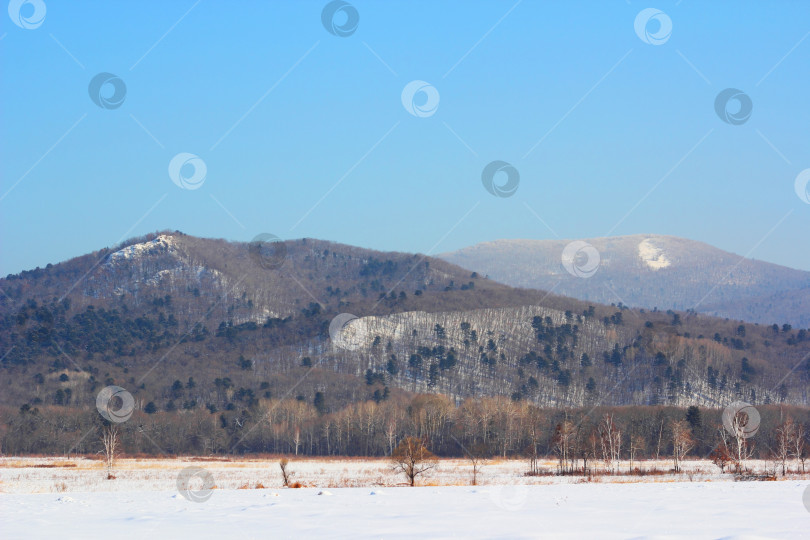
(193, 323)
(648, 271)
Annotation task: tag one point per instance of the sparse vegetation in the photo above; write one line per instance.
(412, 458)
(286, 474)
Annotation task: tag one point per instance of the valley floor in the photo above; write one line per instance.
(70, 498)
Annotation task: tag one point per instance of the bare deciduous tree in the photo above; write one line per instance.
(111, 440)
(682, 442)
(660, 436)
(391, 435)
(297, 439)
(412, 458)
(720, 456)
(785, 434)
(610, 437)
(477, 456)
(798, 446)
(588, 449)
(637, 444)
(534, 430)
(286, 474)
(740, 449)
(563, 442)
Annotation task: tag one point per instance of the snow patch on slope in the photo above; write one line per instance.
(652, 255)
(161, 244)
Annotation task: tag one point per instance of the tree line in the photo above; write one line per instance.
(473, 428)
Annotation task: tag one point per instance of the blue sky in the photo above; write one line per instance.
(304, 134)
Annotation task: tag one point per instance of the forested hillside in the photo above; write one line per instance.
(190, 325)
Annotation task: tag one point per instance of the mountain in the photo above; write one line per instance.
(649, 271)
(193, 324)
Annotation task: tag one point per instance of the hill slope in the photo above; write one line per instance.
(652, 271)
(190, 323)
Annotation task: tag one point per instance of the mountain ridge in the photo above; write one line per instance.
(169, 307)
(648, 270)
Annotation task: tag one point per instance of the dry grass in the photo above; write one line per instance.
(53, 463)
(258, 485)
(58, 475)
(47, 465)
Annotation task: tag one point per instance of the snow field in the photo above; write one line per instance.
(655, 510)
(361, 498)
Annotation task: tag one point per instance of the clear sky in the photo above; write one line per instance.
(304, 132)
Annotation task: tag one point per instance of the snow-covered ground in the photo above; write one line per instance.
(676, 510)
(60, 500)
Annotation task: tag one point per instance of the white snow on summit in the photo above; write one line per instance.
(652, 255)
(161, 244)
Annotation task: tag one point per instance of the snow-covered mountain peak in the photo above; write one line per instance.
(161, 244)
